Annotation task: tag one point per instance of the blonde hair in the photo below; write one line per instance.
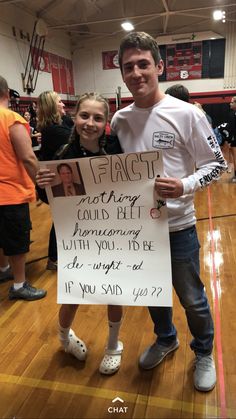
(47, 112)
(3, 87)
(95, 97)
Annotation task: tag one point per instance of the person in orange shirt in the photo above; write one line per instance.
(18, 167)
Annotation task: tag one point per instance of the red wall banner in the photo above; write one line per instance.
(60, 67)
(69, 77)
(54, 65)
(42, 63)
(110, 60)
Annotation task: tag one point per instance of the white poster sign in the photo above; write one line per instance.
(112, 230)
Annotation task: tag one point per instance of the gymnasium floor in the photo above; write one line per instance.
(38, 380)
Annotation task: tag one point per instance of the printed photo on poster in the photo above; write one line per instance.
(69, 184)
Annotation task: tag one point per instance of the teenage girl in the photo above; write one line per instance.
(88, 139)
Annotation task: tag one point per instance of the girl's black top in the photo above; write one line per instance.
(75, 150)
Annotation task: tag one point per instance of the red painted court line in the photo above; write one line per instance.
(221, 379)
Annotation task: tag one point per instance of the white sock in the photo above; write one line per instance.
(63, 333)
(114, 328)
(18, 285)
(5, 268)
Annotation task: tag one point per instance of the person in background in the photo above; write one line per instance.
(88, 140)
(27, 117)
(156, 121)
(232, 134)
(208, 117)
(68, 120)
(216, 131)
(226, 149)
(55, 133)
(32, 109)
(53, 123)
(18, 167)
(34, 134)
(179, 91)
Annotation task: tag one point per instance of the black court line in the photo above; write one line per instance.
(216, 216)
(36, 260)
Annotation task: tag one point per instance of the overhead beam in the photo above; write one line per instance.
(168, 13)
(51, 4)
(118, 19)
(166, 18)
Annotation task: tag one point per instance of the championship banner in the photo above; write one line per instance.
(110, 60)
(184, 61)
(60, 67)
(112, 230)
(40, 60)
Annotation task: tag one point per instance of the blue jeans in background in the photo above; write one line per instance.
(185, 246)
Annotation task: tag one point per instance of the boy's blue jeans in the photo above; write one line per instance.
(185, 246)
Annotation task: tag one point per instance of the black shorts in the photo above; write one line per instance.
(15, 226)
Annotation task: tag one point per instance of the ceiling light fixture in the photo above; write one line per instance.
(127, 26)
(219, 15)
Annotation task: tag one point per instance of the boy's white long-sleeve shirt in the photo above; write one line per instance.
(190, 150)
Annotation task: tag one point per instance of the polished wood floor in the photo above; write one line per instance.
(38, 380)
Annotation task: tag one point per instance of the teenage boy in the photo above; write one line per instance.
(156, 121)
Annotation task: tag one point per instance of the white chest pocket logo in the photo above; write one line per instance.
(163, 140)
